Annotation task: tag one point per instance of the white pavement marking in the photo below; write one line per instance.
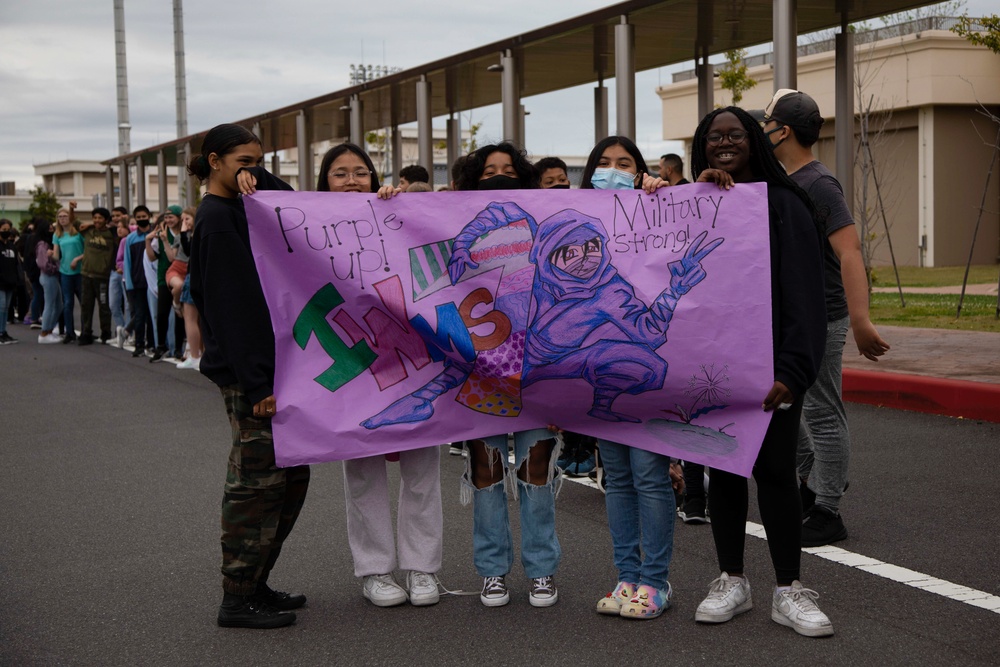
(902, 575)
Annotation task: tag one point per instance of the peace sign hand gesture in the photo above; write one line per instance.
(688, 272)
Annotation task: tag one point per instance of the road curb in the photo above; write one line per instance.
(920, 393)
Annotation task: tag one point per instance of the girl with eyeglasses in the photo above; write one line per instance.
(729, 148)
(419, 536)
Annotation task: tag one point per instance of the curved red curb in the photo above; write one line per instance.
(940, 396)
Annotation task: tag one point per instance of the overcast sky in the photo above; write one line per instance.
(57, 68)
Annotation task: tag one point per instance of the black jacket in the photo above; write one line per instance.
(798, 303)
(235, 321)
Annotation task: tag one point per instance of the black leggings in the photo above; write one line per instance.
(777, 497)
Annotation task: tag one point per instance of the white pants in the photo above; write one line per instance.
(419, 521)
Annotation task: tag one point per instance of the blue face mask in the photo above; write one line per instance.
(612, 179)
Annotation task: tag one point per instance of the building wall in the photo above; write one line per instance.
(960, 169)
(932, 166)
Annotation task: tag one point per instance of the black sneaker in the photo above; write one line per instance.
(157, 355)
(7, 339)
(822, 526)
(694, 511)
(237, 611)
(69, 339)
(138, 352)
(278, 599)
(85, 339)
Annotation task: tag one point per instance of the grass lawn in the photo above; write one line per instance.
(936, 311)
(913, 276)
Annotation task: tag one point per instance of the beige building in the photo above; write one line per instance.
(931, 159)
(86, 182)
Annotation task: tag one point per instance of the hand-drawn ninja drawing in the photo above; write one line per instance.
(581, 319)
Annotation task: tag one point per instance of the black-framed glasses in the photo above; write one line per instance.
(735, 137)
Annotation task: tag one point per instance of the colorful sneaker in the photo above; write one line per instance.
(796, 608)
(611, 603)
(383, 591)
(727, 596)
(423, 588)
(648, 602)
(494, 592)
(543, 592)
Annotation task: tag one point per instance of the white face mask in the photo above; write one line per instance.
(606, 178)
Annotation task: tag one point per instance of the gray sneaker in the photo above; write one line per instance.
(727, 596)
(383, 591)
(494, 592)
(423, 588)
(796, 609)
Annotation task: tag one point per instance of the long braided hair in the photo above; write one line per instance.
(763, 163)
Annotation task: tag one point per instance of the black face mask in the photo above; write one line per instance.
(560, 187)
(500, 183)
(4, 235)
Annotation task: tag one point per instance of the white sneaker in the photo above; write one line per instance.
(727, 596)
(423, 588)
(383, 591)
(49, 339)
(190, 363)
(120, 337)
(796, 608)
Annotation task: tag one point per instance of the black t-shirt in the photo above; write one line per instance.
(828, 197)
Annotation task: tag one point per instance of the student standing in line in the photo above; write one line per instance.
(261, 502)
(505, 167)
(729, 148)
(792, 123)
(10, 268)
(68, 251)
(48, 268)
(638, 494)
(98, 258)
(416, 544)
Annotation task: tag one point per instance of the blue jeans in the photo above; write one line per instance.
(72, 285)
(37, 300)
(641, 512)
(6, 298)
(492, 541)
(824, 447)
(116, 295)
(53, 301)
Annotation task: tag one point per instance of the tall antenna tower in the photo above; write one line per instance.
(124, 127)
(179, 75)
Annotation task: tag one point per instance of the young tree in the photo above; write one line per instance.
(734, 77)
(43, 204)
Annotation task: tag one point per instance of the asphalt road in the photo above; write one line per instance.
(113, 472)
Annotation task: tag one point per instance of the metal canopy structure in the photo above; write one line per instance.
(577, 51)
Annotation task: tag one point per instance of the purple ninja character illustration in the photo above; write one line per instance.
(583, 321)
(577, 291)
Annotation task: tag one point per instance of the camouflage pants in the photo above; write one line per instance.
(261, 501)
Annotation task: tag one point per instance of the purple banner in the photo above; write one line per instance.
(440, 317)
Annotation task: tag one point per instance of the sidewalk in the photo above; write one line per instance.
(940, 371)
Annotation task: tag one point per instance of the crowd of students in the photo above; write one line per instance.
(149, 262)
(132, 271)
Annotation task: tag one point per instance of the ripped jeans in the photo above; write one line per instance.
(492, 540)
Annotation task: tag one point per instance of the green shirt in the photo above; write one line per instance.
(98, 252)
